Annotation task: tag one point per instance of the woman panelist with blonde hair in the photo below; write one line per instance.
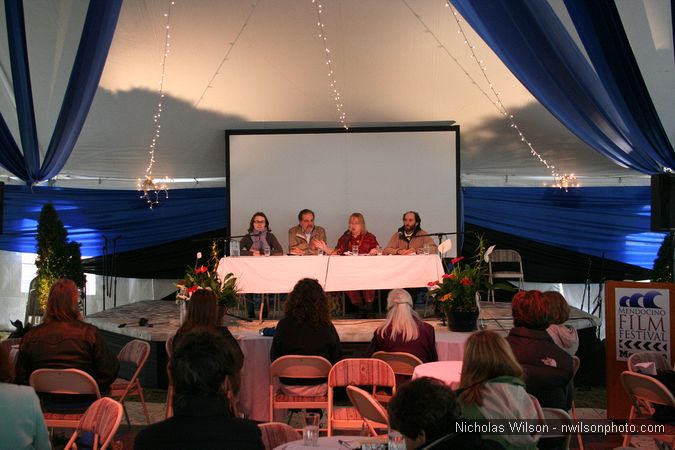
(492, 388)
(358, 238)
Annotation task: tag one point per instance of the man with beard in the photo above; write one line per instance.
(410, 239)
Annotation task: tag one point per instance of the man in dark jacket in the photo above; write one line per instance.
(204, 371)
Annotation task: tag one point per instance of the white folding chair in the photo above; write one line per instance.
(373, 413)
(660, 362)
(502, 265)
(560, 416)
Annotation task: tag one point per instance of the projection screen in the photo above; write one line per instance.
(380, 172)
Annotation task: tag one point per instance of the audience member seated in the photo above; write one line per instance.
(259, 239)
(306, 329)
(64, 341)
(548, 368)
(425, 412)
(24, 426)
(357, 236)
(492, 388)
(404, 330)
(563, 335)
(204, 370)
(203, 312)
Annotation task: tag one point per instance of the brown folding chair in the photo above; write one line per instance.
(402, 363)
(373, 413)
(69, 382)
(644, 392)
(297, 366)
(275, 434)
(135, 352)
(102, 418)
(358, 372)
(561, 417)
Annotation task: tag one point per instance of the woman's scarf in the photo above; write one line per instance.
(259, 239)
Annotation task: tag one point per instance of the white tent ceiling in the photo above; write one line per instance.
(261, 64)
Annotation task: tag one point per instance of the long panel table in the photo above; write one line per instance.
(278, 274)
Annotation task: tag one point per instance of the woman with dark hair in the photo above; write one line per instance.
(259, 238)
(492, 388)
(258, 242)
(64, 341)
(564, 336)
(202, 312)
(306, 329)
(404, 330)
(548, 368)
(24, 427)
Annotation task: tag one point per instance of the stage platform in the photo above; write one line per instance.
(355, 334)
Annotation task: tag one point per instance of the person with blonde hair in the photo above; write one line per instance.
(564, 336)
(357, 236)
(64, 341)
(404, 330)
(492, 388)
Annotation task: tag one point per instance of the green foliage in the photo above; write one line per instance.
(663, 264)
(206, 277)
(57, 257)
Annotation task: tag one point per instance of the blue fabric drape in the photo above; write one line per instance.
(530, 39)
(88, 214)
(97, 34)
(614, 222)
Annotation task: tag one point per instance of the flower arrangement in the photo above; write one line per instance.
(205, 276)
(457, 289)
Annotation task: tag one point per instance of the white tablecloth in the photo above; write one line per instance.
(449, 372)
(278, 274)
(333, 442)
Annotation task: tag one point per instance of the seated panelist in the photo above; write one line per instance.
(259, 238)
(410, 239)
(306, 238)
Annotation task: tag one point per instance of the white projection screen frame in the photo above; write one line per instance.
(380, 172)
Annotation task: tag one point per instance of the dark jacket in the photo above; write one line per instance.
(293, 337)
(201, 423)
(67, 345)
(551, 383)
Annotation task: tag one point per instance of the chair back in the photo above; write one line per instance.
(373, 413)
(576, 362)
(359, 372)
(402, 363)
(644, 391)
(561, 417)
(300, 366)
(660, 362)
(102, 418)
(275, 434)
(505, 256)
(135, 352)
(63, 381)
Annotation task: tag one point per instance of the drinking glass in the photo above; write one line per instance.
(319, 251)
(379, 250)
(310, 430)
(355, 250)
(396, 441)
(234, 248)
(267, 251)
(425, 249)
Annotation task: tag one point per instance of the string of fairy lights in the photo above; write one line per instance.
(209, 85)
(337, 97)
(563, 181)
(150, 187)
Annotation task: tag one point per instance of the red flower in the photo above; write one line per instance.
(446, 276)
(192, 289)
(466, 281)
(201, 269)
(456, 260)
(432, 283)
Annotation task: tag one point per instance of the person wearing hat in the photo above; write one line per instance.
(404, 330)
